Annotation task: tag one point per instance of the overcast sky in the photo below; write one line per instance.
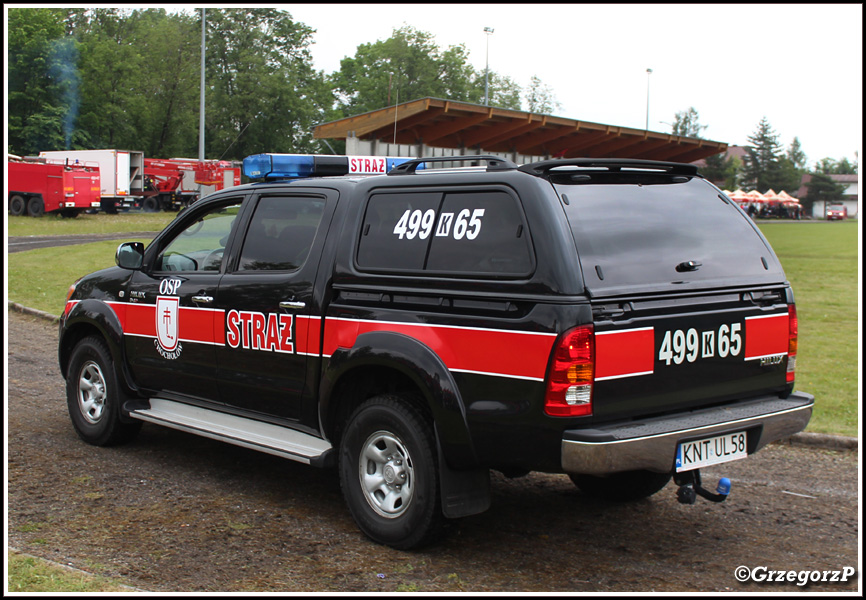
(800, 65)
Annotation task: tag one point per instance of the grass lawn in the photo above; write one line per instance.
(822, 263)
(820, 259)
(35, 286)
(29, 574)
(82, 224)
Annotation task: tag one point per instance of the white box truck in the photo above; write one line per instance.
(121, 173)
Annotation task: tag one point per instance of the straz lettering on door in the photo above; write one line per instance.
(258, 331)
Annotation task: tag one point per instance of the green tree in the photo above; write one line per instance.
(762, 169)
(503, 91)
(165, 111)
(39, 105)
(539, 97)
(796, 155)
(407, 66)
(686, 123)
(792, 167)
(723, 171)
(821, 189)
(263, 94)
(111, 69)
(829, 166)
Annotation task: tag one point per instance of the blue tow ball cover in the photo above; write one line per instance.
(724, 486)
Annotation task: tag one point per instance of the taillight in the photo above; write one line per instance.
(569, 388)
(792, 343)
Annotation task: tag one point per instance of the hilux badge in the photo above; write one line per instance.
(167, 342)
(776, 359)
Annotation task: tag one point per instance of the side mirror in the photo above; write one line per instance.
(130, 255)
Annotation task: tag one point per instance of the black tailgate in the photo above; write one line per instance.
(690, 302)
(662, 354)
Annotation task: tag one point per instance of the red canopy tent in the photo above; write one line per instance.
(771, 196)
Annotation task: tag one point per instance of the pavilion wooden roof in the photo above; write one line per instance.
(450, 124)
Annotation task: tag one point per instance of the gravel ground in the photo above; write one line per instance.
(173, 512)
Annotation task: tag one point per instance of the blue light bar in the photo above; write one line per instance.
(283, 166)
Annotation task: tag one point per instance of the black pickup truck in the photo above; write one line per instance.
(621, 321)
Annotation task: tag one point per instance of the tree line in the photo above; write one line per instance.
(118, 78)
(767, 165)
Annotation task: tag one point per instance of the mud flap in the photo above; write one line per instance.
(464, 493)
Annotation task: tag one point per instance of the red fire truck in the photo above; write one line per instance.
(172, 184)
(40, 185)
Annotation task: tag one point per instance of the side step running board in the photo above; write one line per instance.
(264, 437)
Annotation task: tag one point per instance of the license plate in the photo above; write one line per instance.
(711, 451)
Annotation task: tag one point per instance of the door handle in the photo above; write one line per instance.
(202, 299)
(292, 304)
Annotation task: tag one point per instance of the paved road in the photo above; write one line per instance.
(32, 242)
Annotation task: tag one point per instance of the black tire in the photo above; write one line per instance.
(622, 487)
(108, 206)
(389, 473)
(150, 204)
(93, 396)
(35, 207)
(17, 205)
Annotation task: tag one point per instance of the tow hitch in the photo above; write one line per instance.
(690, 488)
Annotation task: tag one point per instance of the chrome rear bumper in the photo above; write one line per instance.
(651, 444)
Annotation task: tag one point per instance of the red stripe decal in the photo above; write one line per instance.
(624, 353)
(307, 335)
(461, 349)
(766, 336)
(206, 326)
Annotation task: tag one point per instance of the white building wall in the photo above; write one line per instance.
(358, 147)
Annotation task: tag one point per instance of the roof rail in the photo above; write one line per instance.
(494, 163)
(543, 168)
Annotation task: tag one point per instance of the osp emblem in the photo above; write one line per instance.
(167, 342)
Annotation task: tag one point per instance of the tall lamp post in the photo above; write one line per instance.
(201, 94)
(648, 73)
(488, 31)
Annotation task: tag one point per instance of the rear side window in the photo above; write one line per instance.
(635, 237)
(465, 233)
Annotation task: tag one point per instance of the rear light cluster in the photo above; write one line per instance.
(569, 388)
(792, 343)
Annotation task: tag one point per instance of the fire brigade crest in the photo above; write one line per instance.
(167, 342)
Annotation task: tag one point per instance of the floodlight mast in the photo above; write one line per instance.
(648, 73)
(489, 32)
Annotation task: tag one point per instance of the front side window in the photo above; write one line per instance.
(201, 245)
(281, 233)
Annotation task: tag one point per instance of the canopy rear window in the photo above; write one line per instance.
(670, 234)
